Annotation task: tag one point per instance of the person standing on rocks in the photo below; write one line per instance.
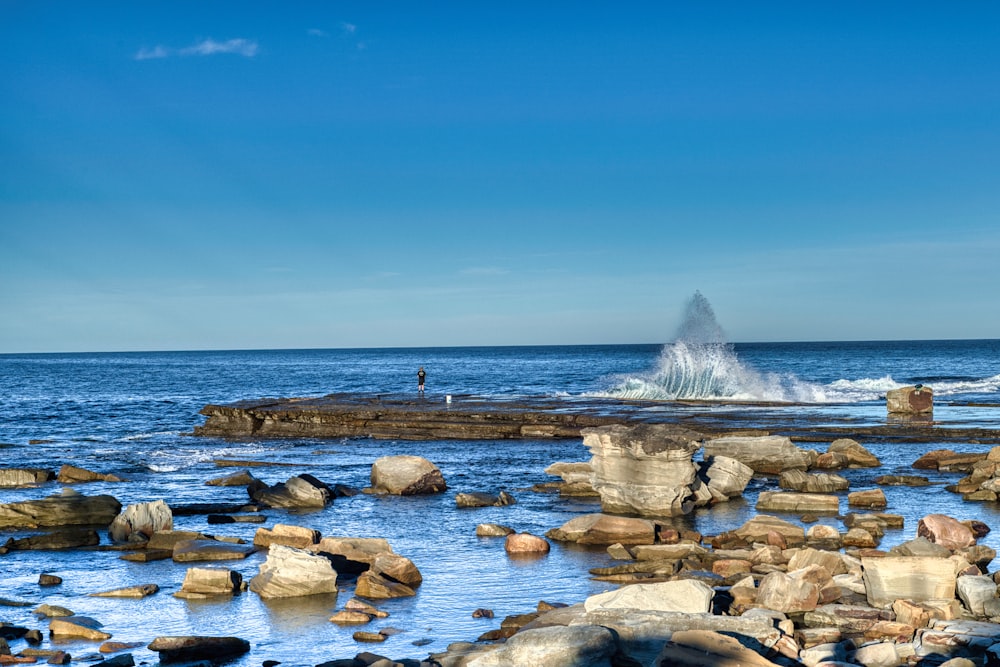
(421, 375)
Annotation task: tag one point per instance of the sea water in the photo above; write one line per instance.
(130, 413)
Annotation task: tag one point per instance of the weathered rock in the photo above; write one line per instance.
(726, 476)
(769, 454)
(348, 617)
(22, 477)
(65, 538)
(188, 551)
(287, 535)
(571, 473)
(290, 572)
(687, 596)
(135, 592)
(138, 522)
(51, 611)
(70, 474)
(493, 530)
(397, 568)
(82, 627)
(605, 529)
(525, 543)
(799, 480)
(49, 579)
(200, 582)
(478, 499)
(917, 399)
(192, 648)
(902, 480)
(946, 531)
(68, 509)
(797, 591)
(705, 648)
(907, 578)
(242, 478)
(555, 646)
(857, 456)
(761, 526)
(405, 475)
(860, 538)
(353, 555)
(830, 561)
(644, 469)
(870, 498)
(376, 587)
(920, 546)
(300, 491)
(847, 618)
(979, 595)
(788, 501)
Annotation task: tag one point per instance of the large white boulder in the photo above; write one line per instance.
(290, 572)
(687, 596)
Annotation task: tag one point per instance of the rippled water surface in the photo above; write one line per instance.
(129, 413)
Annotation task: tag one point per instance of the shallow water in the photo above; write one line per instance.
(127, 414)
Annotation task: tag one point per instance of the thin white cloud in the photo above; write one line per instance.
(247, 48)
(348, 28)
(316, 32)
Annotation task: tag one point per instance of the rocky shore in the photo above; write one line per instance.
(781, 589)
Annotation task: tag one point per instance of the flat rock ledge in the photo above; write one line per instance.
(396, 417)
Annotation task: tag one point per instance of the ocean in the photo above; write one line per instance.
(130, 414)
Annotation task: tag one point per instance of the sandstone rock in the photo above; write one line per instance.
(571, 473)
(406, 475)
(910, 400)
(644, 469)
(730, 567)
(376, 587)
(289, 536)
(902, 480)
(857, 456)
(946, 531)
(22, 477)
(242, 478)
(847, 618)
(64, 538)
(920, 546)
(398, 568)
(871, 498)
(940, 459)
(907, 578)
(797, 591)
(770, 454)
(979, 595)
(477, 499)
(493, 530)
(605, 529)
(860, 538)
(187, 551)
(787, 501)
(726, 476)
(193, 648)
(831, 562)
(881, 654)
(798, 480)
(687, 596)
(82, 627)
(705, 648)
(348, 617)
(209, 581)
(758, 528)
(556, 646)
(70, 474)
(300, 491)
(49, 579)
(355, 604)
(524, 543)
(68, 509)
(669, 551)
(369, 637)
(138, 522)
(135, 592)
(290, 572)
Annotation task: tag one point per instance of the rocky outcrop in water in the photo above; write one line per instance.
(768, 454)
(138, 522)
(405, 475)
(68, 509)
(290, 572)
(913, 400)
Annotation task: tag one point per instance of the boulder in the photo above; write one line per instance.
(571, 473)
(857, 456)
(68, 509)
(405, 475)
(493, 530)
(605, 529)
(479, 499)
(287, 535)
(525, 543)
(725, 476)
(769, 454)
(82, 627)
(64, 538)
(138, 522)
(187, 551)
(788, 501)
(914, 400)
(300, 491)
(907, 578)
(644, 469)
(22, 477)
(69, 474)
(134, 592)
(979, 595)
(706, 648)
(798, 480)
(795, 591)
(397, 568)
(202, 582)
(946, 531)
(194, 648)
(761, 526)
(685, 596)
(353, 555)
(902, 480)
(377, 587)
(554, 646)
(920, 546)
(242, 478)
(870, 498)
(290, 572)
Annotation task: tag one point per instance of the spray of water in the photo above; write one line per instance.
(701, 364)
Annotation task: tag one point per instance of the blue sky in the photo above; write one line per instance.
(224, 175)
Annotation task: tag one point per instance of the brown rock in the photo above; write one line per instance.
(706, 648)
(375, 586)
(913, 400)
(948, 532)
(347, 617)
(193, 648)
(605, 529)
(729, 567)
(871, 498)
(69, 474)
(289, 536)
(523, 543)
